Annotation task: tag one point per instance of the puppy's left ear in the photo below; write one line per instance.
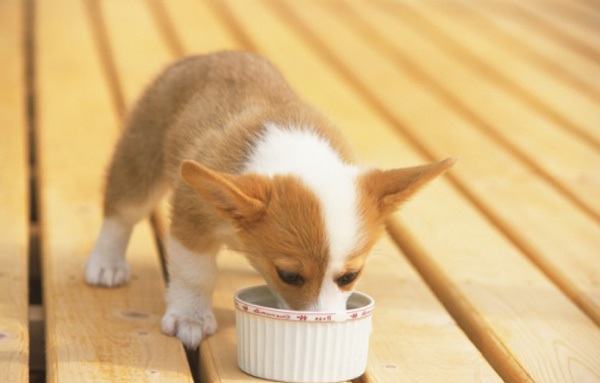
(389, 188)
(234, 197)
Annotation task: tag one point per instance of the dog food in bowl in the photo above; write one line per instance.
(301, 346)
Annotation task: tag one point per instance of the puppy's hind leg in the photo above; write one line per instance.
(136, 183)
(106, 265)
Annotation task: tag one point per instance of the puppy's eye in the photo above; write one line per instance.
(291, 278)
(347, 278)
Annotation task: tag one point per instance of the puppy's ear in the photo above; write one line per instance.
(225, 192)
(389, 188)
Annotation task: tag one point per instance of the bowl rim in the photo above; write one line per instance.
(303, 316)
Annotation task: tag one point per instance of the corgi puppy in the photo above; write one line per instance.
(253, 167)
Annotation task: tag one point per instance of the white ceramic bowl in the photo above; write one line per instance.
(301, 346)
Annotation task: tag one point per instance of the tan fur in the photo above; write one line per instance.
(283, 236)
(207, 108)
(193, 130)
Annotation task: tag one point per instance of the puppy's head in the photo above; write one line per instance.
(310, 243)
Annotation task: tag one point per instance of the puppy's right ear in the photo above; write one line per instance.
(390, 188)
(224, 192)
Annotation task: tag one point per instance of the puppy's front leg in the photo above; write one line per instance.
(192, 278)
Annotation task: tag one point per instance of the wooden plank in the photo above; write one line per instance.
(580, 12)
(409, 322)
(543, 91)
(210, 34)
(92, 334)
(533, 43)
(563, 159)
(503, 302)
(139, 54)
(14, 177)
(570, 31)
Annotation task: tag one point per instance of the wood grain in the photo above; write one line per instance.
(538, 138)
(543, 91)
(14, 212)
(529, 41)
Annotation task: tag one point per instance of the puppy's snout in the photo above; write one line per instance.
(331, 300)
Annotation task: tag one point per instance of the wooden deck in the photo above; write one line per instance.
(491, 274)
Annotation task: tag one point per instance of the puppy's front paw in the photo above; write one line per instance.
(108, 273)
(190, 329)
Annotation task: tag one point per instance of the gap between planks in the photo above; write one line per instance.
(37, 362)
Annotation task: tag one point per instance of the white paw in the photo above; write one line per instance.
(106, 272)
(190, 329)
